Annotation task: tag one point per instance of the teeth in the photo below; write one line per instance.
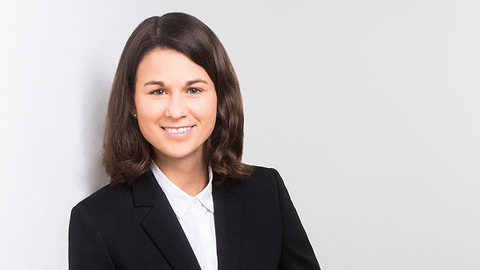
(178, 130)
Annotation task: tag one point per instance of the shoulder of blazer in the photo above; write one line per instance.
(112, 199)
(262, 180)
(261, 187)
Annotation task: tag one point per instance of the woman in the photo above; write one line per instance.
(180, 197)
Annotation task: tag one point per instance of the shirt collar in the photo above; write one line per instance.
(178, 199)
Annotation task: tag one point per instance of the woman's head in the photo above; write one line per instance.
(127, 153)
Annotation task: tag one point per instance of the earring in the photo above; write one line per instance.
(135, 115)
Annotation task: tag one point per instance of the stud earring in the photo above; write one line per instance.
(135, 115)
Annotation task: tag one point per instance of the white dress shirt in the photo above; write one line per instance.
(195, 215)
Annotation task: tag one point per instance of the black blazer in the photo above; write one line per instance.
(134, 227)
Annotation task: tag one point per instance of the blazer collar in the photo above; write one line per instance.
(162, 225)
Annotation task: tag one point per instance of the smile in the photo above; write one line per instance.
(177, 131)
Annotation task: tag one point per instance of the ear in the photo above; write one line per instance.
(133, 109)
(133, 113)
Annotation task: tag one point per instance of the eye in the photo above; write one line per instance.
(158, 92)
(194, 90)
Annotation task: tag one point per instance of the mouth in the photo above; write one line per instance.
(177, 131)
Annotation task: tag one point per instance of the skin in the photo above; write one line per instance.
(176, 104)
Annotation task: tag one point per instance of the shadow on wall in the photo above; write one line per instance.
(95, 109)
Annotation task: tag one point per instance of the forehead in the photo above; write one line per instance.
(165, 64)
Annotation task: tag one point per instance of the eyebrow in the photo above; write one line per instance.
(159, 83)
(188, 83)
(196, 81)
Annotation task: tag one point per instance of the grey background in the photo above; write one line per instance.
(369, 109)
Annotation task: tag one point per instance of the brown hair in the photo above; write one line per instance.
(127, 154)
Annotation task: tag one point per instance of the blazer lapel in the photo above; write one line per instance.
(228, 227)
(162, 225)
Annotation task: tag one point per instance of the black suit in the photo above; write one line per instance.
(134, 227)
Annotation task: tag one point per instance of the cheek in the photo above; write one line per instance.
(210, 110)
(205, 111)
(147, 108)
(148, 113)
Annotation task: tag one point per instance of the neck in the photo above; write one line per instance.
(190, 174)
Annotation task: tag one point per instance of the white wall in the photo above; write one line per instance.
(369, 109)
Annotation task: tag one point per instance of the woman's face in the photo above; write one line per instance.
(175, 103)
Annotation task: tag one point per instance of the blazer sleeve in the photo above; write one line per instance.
(297, 252)
(86, 248)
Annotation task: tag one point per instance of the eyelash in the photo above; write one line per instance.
(158, 92)
(192, 90)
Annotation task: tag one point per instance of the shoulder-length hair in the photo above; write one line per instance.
(127, 154)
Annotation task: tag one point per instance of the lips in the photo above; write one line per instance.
(179, 130)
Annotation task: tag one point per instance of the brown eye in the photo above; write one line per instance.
(194, 90)
(158, 92)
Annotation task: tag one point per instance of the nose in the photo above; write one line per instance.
(176, 107)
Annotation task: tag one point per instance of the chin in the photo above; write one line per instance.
(179, 153)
